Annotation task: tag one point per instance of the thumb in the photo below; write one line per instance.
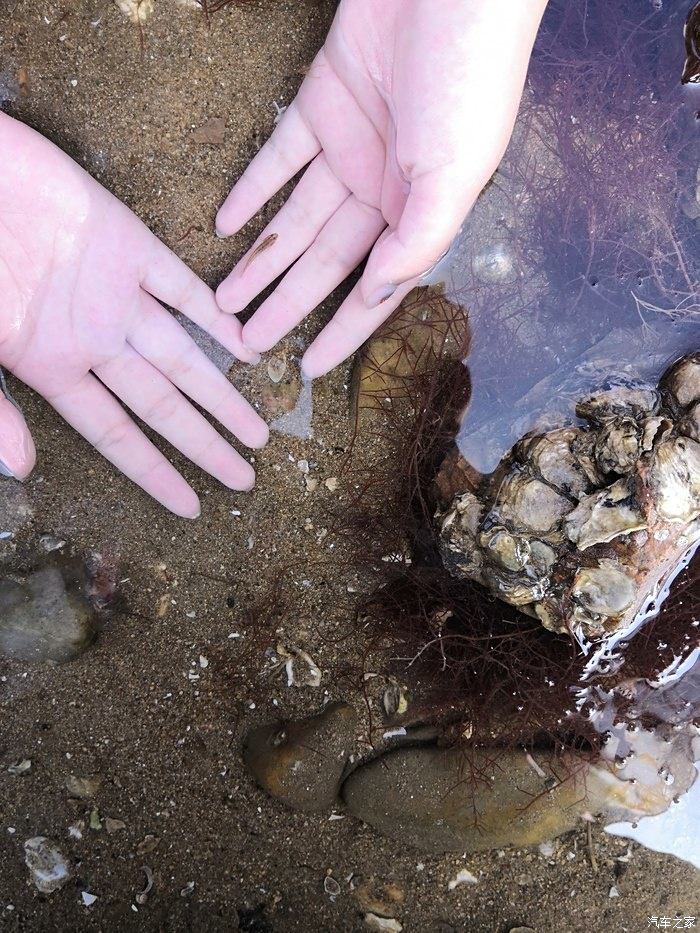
(435, 209)
(17, 452)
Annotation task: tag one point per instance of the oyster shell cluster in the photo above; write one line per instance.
(582, 525)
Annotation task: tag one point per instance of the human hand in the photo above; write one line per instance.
(404, 116)
(79, 279)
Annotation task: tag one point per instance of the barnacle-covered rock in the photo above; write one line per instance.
(579, 526)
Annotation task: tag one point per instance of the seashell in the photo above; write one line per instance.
(604, 515)
(513, 589)
(619, 397)
(511, 551)
(675, 479)
(602, 590)
(618, 446)
(528, 504)
(690, 424)
(681, 383)
(551, 457)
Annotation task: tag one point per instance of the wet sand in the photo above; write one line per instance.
(139, 708)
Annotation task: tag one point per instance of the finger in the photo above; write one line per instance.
(99, 417)
(290, 147)
(315, 199)
(339, 248)
(168, 278)
(157, 402)
(158, 338)
(435, 209)
(17, 452)
(351, 325)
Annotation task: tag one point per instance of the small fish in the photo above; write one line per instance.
(261, 247)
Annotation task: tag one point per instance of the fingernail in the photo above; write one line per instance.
(381, 295)
(219, 234)
(6, 472)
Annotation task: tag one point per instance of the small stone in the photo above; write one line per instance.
(113, 826)
(83, 788)
(22, 767)
(45, 616)
(88, 899)
(211, 133)
(49, 869)
(311, 483)
(462, 877)
(147, 844)
(95, 821)
(301, 762)
(332, 483)
(385, 924)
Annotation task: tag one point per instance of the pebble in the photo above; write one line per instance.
(389, 924)
(301, 762)
(45, 616)
(83, 788)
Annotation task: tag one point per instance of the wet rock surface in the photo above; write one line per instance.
(441, 800)
(45, 615)
(428, 798)
(301, 763)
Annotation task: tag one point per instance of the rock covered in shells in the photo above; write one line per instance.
(301, 762)
(579, 525)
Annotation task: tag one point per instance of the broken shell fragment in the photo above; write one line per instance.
(49, 869)
(581, 525)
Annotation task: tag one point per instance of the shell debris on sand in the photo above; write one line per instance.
(580, 526)
(49, 868)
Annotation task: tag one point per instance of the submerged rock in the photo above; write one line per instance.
(49, 868)
(580, 526)
(45, 615)
(441, 800)
(301, 763)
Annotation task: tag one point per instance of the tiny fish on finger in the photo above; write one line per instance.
(261, 247)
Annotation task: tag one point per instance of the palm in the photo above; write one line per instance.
(81, 276)
(403, 117)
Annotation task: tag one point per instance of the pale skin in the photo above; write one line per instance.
(401, 120)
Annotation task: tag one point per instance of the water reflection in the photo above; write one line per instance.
(582, 254)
